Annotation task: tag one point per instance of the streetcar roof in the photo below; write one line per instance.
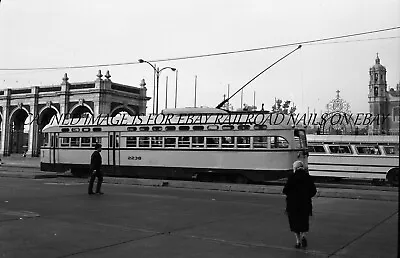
(266, 119)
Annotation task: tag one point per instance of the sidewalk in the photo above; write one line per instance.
(23, 167)
(18, 160)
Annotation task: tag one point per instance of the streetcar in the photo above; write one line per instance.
(189, 144)
(374, 157)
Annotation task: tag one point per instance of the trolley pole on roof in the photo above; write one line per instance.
(223, 102)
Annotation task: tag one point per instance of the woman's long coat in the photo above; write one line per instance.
(299, 190)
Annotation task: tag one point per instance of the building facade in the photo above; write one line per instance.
(383, 101)
(25, 111)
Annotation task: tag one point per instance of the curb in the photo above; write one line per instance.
(335, 192)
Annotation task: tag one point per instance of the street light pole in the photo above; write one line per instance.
(157, 72)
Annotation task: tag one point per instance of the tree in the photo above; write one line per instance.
(248, 108)
(283, 108)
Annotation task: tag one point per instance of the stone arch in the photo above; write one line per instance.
(19, 130)
(43, 119)
(80, 109)
(123, 108)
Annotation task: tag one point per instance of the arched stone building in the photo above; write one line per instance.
(25, 111)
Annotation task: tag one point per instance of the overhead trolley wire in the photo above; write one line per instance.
(308, 42)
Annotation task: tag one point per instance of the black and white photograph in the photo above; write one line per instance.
(207, 129)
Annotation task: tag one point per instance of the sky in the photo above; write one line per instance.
(59, 33)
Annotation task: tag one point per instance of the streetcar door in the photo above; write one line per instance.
(54, 151)
(114, 150)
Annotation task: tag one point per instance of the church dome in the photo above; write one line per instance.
(378, 65)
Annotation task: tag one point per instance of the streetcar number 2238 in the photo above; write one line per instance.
(134, 158)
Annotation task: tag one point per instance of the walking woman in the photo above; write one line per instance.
(299, 190)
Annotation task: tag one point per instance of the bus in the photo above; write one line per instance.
(373, 157)
(183, 144)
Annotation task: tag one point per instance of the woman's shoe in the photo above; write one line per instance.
(298, 245)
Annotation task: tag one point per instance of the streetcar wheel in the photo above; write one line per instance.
(393, 177)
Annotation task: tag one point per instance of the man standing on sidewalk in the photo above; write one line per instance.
(95, 170)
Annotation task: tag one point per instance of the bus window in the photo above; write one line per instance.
(340, 149)
(75, 141)
(368, 150)
(391, 150)
(169, 142)
(243, 142)
(96, 140)
(317, 149)
(85, 142)
(183, 142)
(156, 142)
(131, 142)
(212, 142)
(144, 141)
(278, 142)
(197, 142)
(227, 142)
(260, 142)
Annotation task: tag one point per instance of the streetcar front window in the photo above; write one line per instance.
(45, 139)
(300, 139)
(278, 142)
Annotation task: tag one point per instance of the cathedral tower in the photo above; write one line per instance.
(377, 98)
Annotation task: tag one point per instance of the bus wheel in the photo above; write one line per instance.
(239, 179)
(393, 177)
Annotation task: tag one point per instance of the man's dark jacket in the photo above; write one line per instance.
(95, 161)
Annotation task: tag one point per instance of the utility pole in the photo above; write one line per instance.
(166, 92)
(195, 90)
(176, 87)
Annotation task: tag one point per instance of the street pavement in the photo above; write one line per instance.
(54, 217)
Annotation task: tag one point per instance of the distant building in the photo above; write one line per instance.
(383, 102)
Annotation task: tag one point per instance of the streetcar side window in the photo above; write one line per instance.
(317, 149)
(144, 141)
(156, 142)
(391, 150)
(75, 141)
(260, 142)
(85, 142)
(340, 149)
(227, 142)
(64, 142)
(212, 142)
(169, 142)
(243, 142)
(198, 142)
(96, 140)
(131, 141)
(368, 150)
(184, 142)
